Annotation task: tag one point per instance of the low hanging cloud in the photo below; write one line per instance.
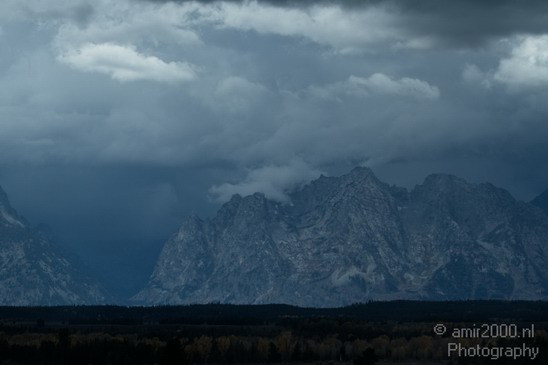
(364, 24)
(124, 63)
(274, 181)
(346, 31)
(527, 65)
(376, 84)
(130, 22)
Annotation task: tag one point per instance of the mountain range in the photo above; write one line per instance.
(355, 238)
(337, 241)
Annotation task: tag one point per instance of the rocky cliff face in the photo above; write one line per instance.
(32, 272)
(354, 238)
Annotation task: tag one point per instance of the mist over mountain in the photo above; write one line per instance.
(33, 271)
(337, 241)
(354, 238)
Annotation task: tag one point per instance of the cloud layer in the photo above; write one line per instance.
(273, 181)
(258, 83)
(527, 64)
(377, 84)
(124, 63)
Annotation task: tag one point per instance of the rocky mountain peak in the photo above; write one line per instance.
(325, 191)
(245, 210)
(191, 224)
(354, 238)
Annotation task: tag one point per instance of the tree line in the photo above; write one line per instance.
(76, 348)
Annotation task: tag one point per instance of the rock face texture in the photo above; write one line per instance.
(32, 272)
(354, 238)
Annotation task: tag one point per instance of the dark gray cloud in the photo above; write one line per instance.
(471, 23)
(466, 23)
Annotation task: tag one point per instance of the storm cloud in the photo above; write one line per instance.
(126, 116)
(466, 23)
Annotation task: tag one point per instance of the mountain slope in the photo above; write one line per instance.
(354, 238)
(32, 272)
(475, 241)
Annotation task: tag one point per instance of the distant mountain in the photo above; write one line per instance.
(541, 201)
(32, 271)
(354, 238)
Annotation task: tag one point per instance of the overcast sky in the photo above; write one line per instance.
(118, 118)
